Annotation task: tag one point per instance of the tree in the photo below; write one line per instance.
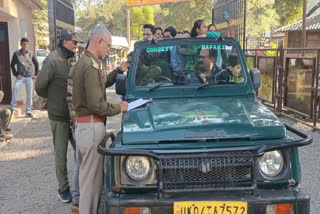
(108, 12)
(139, 17)
(183, 15)
(260, 17)
(41, 24)
(289, 11)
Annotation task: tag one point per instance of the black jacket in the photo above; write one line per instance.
(27, 64)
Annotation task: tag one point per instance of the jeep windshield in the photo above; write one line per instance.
(198, 65)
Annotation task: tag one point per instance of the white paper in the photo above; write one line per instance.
(137, 103)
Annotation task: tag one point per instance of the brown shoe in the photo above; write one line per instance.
(75, 208)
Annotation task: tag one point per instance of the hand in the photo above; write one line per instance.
(150, 38)
(231, 22)
(34, 77)
(123, 67)
(179, 36)
(44, 105)
(19, 77)
(73, 117)
(124, 106)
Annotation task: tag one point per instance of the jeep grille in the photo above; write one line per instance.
(225, 171)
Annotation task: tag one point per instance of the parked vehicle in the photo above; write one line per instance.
(41, 55)
(205, 144)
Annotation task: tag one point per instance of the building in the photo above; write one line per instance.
(15, 23)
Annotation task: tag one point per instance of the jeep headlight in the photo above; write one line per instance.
(137, 167)
(271, 164)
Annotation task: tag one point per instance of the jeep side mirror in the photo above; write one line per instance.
(121, 84)
(255, 78)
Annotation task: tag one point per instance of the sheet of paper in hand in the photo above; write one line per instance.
(137, 103)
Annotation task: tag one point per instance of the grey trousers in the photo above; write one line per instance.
(61, 132)
(88, 136)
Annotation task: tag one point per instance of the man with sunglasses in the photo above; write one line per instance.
(52, 84)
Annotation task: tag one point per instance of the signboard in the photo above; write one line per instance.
(137, 3)
(64, 14)
(258, 42)
(61, 15)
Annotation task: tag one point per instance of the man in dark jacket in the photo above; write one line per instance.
(52, 84)
(24, 67)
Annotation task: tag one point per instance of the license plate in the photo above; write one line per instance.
(210, 207)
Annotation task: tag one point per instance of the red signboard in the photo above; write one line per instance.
(137, 3)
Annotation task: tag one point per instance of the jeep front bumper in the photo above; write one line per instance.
(117, 203)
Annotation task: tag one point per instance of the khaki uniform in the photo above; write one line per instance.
(89, 99)
(111, 79)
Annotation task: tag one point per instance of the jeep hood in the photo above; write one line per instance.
(201, 119)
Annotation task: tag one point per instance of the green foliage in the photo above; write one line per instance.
(289, 11)
(89, 13)
(41, 23)
(139, 17)
(264, 14)
(182, 15)
(260, 17)
(272, 53)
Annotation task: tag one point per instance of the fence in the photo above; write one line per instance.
(289, 80)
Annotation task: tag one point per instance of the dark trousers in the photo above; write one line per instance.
(62, 134)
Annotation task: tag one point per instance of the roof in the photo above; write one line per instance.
(33, 4)
(313, 24)
(312, 7)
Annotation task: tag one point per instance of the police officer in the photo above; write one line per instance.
(111, 79)
(52, 84)
(91, 108)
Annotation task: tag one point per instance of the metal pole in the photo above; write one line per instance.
(244, 23)
(316, 98)
(304, 27)
(52, 27)
(128, 27)
(55, 23)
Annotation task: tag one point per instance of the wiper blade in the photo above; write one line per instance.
(157, 86)
(162, 83)
(215, 83)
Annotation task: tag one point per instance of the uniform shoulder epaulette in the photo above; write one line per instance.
(95, 64)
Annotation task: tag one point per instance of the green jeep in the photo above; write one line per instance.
(205, 144)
